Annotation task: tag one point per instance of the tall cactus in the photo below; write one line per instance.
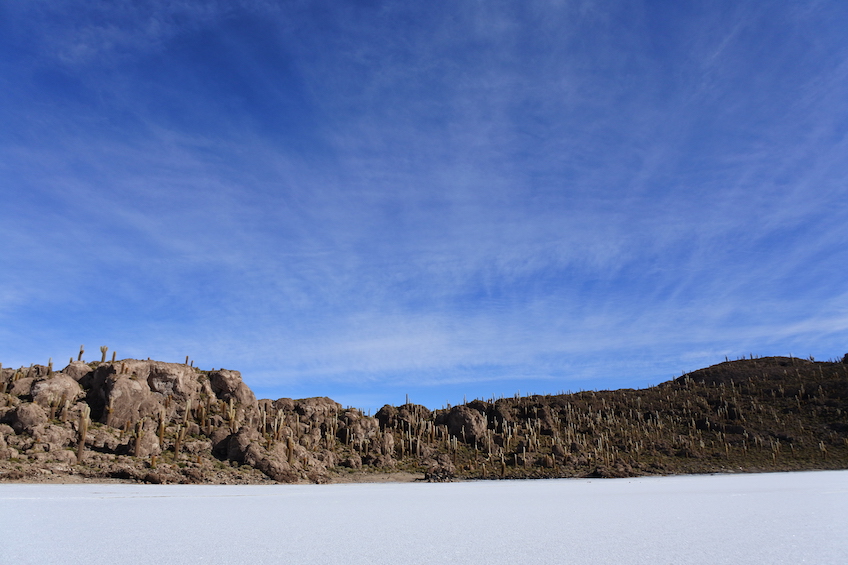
(139, 433)
(162, 428)
(103, 350)
(84, 421)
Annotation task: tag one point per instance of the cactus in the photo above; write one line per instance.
(231, 415)
(181, 431)
(139, 433)
(66, 403)
(82, 350)
(113, 356)
(50, 367)
(84, 421)
(103, 350)
(162, 428)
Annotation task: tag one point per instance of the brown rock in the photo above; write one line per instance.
(220, 440)
(239, 444)
(387, 444)
(440, 469)
(352, 462)
(28, 416)
(147, 384)
(22, 387)
(78, 370)
(382, 461)
(387, 416)
(154, 478)
(317, 408)
(197, 447)
(364, 428)
(7, 413)
(53, 389)
(277, 470)
(66, 456)
(284, 404)
(127, 400)
(172, 379)
(5, 452)
(57, 437)
(148, 444)
(104, 439)
(466, 424)
(228, 384)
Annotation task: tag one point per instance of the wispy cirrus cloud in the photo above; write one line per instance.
(354, 198)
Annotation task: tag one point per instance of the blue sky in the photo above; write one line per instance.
(365, 200)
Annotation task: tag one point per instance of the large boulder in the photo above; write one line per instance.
(228, 385)
(102, 439)
(277, 469)
(175, 380)
(463, 422)
(284, 404)
(172, 379)
(21, 387)
(56, 437)
(364, 428)
(127, 399)
(220, 439)
(243, 447)
(77, 370)
(387, 416)
(147, 444)
(239, 446)
(440, 469)
(54, 389)
(126, 390)
(28, 416)
(317, 409)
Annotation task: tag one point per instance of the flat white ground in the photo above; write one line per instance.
(751, 519)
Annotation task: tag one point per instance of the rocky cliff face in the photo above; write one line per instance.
(166, 422)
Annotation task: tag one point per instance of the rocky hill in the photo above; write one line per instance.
(165, 422)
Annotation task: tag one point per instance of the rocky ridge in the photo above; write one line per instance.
(157, 422)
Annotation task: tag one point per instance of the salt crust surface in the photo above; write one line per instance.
(752, 518)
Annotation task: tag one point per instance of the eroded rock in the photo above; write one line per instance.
(55, 389)
(28, 416)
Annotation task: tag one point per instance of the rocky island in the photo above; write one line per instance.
(157, 422)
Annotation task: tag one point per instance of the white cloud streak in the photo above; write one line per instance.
(510, 190)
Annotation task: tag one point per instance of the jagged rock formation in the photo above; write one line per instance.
(166, 422)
